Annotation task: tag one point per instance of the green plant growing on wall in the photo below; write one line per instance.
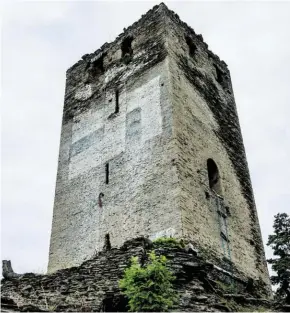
(149, 288)
(169, 242)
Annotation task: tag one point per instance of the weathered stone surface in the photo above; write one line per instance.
(143, 116)
(136, 143)
(93, 286)
(7, 270)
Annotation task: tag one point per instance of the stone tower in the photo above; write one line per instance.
(151, 146)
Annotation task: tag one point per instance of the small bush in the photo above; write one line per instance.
(149, 288)
(169, 242)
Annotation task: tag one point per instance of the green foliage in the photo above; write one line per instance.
(169, 242)
(149, 288)
(280, 243)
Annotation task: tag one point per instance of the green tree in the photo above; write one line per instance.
(280, 243)
(149, 288)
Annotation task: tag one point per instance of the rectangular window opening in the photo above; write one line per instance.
(99, 65)
(126, 46)
(107, 173)
(117, 107)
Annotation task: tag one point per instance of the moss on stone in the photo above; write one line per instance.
(168, 242)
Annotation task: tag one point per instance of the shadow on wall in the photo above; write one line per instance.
(115, 304)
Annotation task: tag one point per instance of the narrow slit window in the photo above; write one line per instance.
(117, 107)
(107, 173)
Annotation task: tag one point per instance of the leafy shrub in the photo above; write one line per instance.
(169, 242)
(149, 288)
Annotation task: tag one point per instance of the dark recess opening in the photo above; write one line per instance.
(219, 75)
(127, 46)
(213, 176)
(107, 245)
(191, 45)
(114, 304)
(94, 69)
(117, 101)
(107, 173)
(99, 65)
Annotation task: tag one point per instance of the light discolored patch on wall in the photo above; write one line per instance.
(84, 92)
(97, 138)
(169, 232)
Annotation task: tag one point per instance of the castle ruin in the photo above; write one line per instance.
(151, 146)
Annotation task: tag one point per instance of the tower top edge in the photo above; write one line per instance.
(156, 12)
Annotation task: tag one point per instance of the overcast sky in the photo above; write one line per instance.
(40, 40)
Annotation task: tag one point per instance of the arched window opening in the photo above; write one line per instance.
(213, 176)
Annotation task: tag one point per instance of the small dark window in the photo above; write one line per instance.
(191, 45)
(127, 51)
(99, 64)
(213, 176)
(223, 79)
(219, 75)
(101, 195)
(127, 46)
(107, 173)
(94, 69)
(117, 107)
(107, 245)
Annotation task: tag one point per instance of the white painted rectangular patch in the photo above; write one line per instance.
(147, 98)
(112, 143)
(151, 118)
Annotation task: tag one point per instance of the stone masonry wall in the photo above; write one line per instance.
(206, 126)
(135, 143)
(175, 110)
(93, 286)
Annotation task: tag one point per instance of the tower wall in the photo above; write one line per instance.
(206, 127)
(135, 143)
(138, 166)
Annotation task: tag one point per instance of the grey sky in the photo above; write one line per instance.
(40, 40)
